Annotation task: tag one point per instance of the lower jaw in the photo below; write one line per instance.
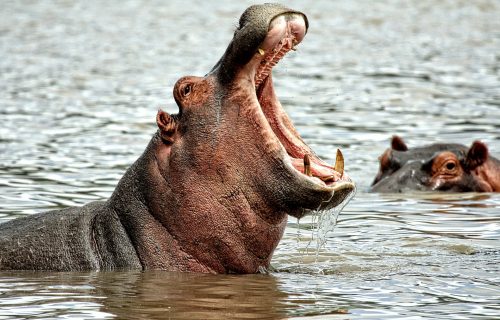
(288, 137)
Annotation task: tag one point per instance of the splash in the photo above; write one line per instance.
(323, 223)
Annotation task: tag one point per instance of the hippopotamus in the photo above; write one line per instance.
(214, 187)
(437, 167)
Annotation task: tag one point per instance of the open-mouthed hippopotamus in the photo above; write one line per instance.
(213, 188)
(437, 167)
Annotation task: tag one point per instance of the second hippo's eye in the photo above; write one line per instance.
(445, 163)
(450, 165)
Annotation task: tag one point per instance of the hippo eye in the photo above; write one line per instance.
(186, 90)
(450, 165)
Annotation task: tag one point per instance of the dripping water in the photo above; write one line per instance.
(323, 222)
(326, 220)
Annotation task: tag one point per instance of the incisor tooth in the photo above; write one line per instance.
(339, 163)
(307, 165)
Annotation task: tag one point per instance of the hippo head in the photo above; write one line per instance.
(232, 162)
(232, 133)
(437, 167)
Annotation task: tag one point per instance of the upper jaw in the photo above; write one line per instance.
(285, 32)
(253, 29)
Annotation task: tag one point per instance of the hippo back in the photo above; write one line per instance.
(86, 238)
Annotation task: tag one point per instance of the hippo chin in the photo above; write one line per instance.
(437, 167)
(213, 188)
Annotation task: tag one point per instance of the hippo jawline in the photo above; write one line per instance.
(284, 33)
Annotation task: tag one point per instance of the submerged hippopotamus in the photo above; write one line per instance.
(437, 167)
(213, 188)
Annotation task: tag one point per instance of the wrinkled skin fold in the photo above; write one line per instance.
(212, 190)
(437, 167)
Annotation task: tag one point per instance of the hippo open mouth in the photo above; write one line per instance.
(285, 32)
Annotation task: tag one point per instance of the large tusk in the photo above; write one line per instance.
(307, 165)
(339, 163)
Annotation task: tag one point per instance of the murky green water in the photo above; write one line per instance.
(81, 82)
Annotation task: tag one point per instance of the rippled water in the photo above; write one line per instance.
(81, 82)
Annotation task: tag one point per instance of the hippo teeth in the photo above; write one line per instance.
(307, 165)
(272, 59)
(339, 163)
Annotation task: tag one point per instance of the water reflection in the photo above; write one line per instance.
(136, 295)
(163, 295)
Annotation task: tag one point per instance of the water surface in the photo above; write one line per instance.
(81, 82)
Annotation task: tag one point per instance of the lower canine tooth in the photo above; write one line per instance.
(307, 165)
(328, 178)
(261, 51)
(339, 163)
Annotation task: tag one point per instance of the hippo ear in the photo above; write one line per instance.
(398, 144)
(167, 125)
(476, 156)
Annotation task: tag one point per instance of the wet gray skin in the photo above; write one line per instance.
(437, 167)
(212, 190)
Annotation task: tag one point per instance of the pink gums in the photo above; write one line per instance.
(282, 37)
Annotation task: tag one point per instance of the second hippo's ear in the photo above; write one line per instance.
(476, 156)
(398, 144)
(167, 125)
